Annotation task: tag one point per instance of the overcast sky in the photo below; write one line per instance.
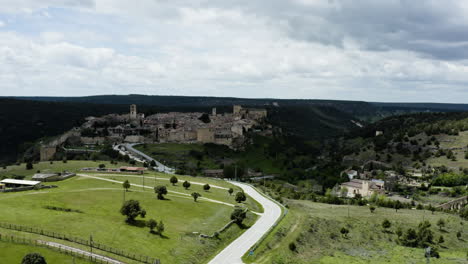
(385, 50)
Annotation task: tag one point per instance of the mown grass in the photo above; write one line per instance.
(14, 253)
(100, 202)
(315, 230)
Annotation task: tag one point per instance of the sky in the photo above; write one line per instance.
(386, 50)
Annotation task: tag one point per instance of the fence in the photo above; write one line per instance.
(67, 251)
(136, 257)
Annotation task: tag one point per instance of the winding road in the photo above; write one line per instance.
(233, 253)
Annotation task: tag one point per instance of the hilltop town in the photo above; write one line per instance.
(228, 129)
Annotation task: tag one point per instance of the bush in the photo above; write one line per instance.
(386, 224)
(33, 258)
(292, 246)
(238, 215)
(344, 231)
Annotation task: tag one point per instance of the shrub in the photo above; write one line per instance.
(292, 246)
(33, 258)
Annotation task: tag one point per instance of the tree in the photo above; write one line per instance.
(195, 196)
(152, 224)
(397, 205)
(153, 163)
(238, 215)
(240, 197)
(126, 185)
(425, 235)
(173, 180)
(410, 238)
(372, 209)
(344, 231)
(33, 258)
(186, 185)
(29, 166)
(206, 187)
(230, 191)
(432, 208)
(160, 228)
(102, 166)
(161, 191)
(441, 223)
(441, 239)
(386, 224)
(459, 234)
(132, 209)
(399, 232)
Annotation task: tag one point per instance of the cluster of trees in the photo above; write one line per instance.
(132, 209)
(450, 179)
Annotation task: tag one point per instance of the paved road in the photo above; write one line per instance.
(80, 251)
(141, 157)
(233, 253)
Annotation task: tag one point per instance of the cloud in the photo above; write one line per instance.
(342, 49)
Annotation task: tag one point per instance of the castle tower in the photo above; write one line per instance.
(213, 111)
(133, 112)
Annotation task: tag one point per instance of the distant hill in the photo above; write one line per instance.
(366, 111)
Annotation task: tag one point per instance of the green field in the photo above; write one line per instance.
(175, 155)
(100, 201)
(14, 253)
(57, 166)
(315, 230)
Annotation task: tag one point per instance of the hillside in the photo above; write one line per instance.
(311, 233)
(23, 122)
(367, 111)
(96, 200)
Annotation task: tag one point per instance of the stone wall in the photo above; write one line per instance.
(47, 153)
(205, 135)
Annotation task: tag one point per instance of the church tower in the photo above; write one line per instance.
(133, 112)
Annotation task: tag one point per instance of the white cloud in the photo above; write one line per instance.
(289, 49)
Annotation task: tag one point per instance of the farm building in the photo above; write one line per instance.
(214, 173)
(138, 170)
(13, 183)
(50, 177)
(43, 177)
(2, 186)
(364, 188)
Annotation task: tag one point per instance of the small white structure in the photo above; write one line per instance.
(352, 174)
(378, 133)
(13, 183)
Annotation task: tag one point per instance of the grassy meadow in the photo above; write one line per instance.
(100, 201)
(315, 230)
(16, 252)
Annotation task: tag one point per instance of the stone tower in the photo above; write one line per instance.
(133, 112)
(213, 111)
